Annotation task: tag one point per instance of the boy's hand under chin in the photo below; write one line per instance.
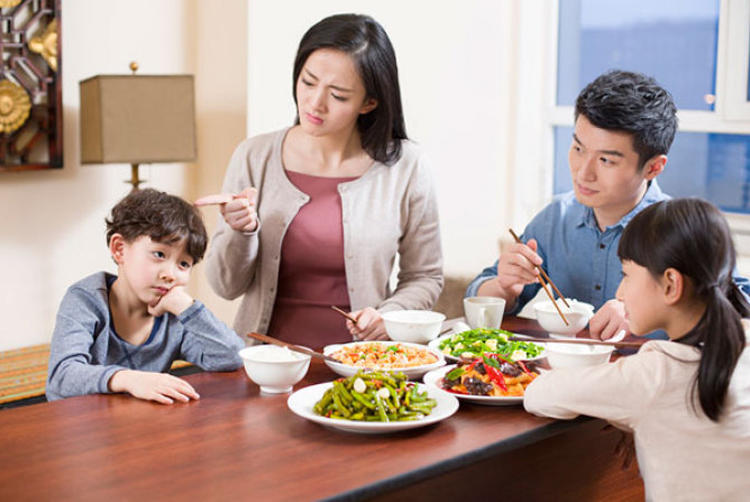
(160, 387)
(175, 301)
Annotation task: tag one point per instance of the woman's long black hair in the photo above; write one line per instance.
(691, 236)
(369, 46)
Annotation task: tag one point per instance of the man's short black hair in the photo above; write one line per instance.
(164, 218)
(634, 103)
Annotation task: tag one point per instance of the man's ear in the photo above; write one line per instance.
(654, 167)
(369, 105)
(673, 285)
(117, 247)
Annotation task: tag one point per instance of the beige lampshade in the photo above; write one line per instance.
(137, 119)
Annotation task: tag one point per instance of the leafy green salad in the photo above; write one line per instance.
(475, 342)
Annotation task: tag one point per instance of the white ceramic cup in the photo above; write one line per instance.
(484, 311)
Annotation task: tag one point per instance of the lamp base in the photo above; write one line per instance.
(134, 179)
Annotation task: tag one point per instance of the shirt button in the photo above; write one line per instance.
(351, 290)
(598, 287)
(602, 246)
(271, 289)
(276, 257)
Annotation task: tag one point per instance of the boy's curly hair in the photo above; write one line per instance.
(163, 217)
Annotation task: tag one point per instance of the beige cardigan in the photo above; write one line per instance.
(388, 210)
(681, 455)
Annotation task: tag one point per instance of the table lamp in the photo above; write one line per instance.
(137, 119)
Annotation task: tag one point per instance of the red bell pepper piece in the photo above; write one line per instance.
(496, 376)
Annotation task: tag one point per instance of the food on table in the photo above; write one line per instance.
(383, 356)
(490, 375)
(375, 397)
(475, 342)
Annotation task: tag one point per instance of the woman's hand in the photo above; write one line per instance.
(238, 210)
(370, 325)
(160, 387)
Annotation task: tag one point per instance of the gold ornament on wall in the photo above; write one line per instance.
(9, 3)
(14, 106)
(46, 44)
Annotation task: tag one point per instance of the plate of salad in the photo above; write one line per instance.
(473, 343)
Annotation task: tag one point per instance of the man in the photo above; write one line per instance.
(624, 126)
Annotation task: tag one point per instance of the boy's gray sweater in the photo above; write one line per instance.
(86, 351)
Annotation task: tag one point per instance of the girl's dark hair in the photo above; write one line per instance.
(635, 103)
(164, 218)
(691, 236)
(367, 43)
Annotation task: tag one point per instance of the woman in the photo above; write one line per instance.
(319, 211)
(686, 400)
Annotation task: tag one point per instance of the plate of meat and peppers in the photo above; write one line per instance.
(488, 379)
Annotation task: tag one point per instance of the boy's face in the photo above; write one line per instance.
(152, 268)
(604, 170)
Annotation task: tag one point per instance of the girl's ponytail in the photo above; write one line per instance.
(722, 340)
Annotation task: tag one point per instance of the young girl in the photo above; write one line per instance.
(686, 400)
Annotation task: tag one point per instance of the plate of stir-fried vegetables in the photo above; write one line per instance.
(372, 402)
(473, 343)
(489, 379)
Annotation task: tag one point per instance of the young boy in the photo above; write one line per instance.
(624, 126)
(120, 333)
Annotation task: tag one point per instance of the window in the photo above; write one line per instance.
(700, 53)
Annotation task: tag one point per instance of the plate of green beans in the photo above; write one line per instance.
(372, 402)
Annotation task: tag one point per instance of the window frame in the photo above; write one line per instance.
(537, 112)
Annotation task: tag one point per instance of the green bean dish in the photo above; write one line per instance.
(473, 343)
(375, 397)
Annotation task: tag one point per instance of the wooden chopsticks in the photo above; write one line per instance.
(352, 319)
(575, 341)
(541, 275)
(291, 346)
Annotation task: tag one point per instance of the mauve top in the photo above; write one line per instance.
(312, 276)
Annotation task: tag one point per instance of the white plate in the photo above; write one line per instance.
(435, 377)
(411, 373)
(303, 401)
(435, 345)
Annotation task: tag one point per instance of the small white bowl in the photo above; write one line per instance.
(275, 369)
(414, 326)
(578, 316)
(568, 355)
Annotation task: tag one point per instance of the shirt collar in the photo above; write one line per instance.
(653, 194)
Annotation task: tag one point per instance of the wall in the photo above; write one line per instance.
(455, 66)
(53, 221)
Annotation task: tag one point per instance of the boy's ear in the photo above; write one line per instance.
(673, 285)
(117, 247)
(654, 167)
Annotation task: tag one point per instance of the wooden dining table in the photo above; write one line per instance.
(238, 444)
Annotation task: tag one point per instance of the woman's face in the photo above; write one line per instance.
(330, 94)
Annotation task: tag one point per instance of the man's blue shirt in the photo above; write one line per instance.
(580, 258)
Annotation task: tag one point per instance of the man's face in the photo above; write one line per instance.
(604, 170)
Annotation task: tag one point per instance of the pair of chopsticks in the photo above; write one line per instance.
(541, 275)
(575, 341)
(291, 346)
